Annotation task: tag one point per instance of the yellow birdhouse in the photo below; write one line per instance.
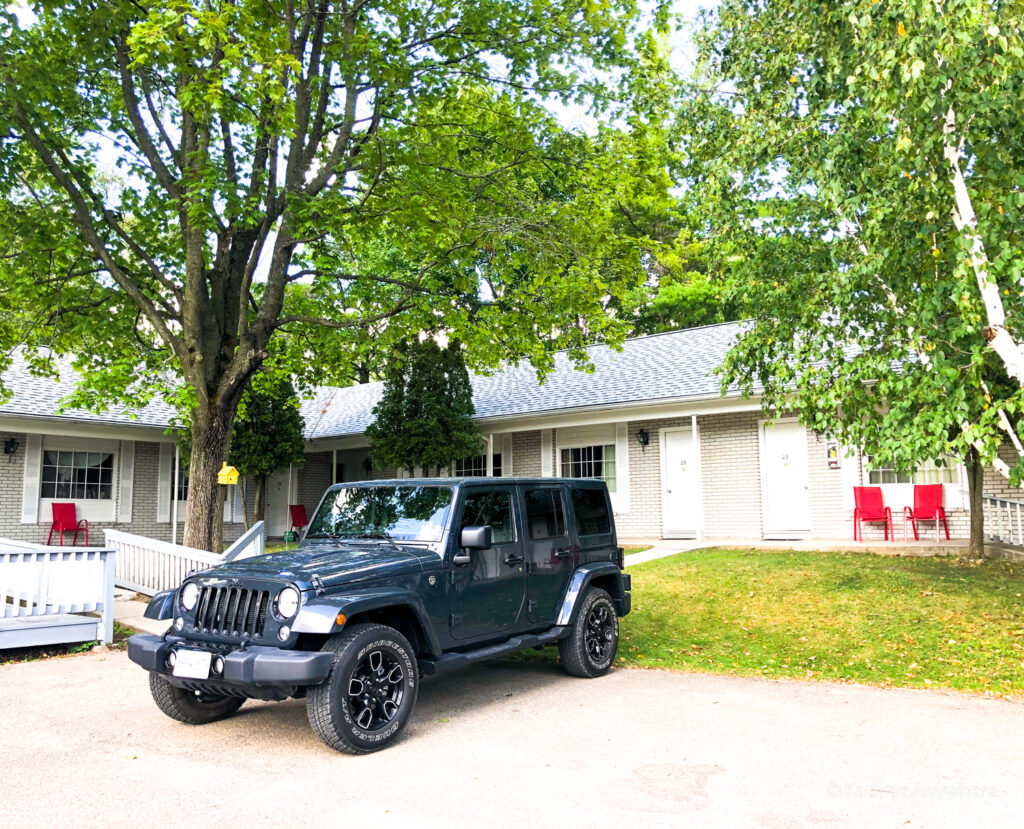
(228, 475)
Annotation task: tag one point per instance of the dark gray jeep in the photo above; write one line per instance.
(393, 580)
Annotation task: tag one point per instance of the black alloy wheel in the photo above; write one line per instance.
(589, 649)
(376, 689)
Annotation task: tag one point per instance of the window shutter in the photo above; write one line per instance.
(126, 487)
(163, 483)
(506, 456)
(547, 468)
(30, 479)
(620, 498)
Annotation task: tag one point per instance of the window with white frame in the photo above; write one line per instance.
(83, 476)
(928, 472)
(476, 466)
(182, 481)
(590, 462)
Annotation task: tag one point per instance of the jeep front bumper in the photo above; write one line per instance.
(256, 666)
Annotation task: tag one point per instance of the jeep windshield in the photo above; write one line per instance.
(398, 513)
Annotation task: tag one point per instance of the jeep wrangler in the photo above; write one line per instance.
(392, 581)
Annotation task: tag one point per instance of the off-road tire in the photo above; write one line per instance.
(596, 624)
(338, 716)
(188, 706)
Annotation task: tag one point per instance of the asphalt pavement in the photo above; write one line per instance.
(512, 744)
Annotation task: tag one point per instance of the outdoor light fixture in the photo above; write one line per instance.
(643, 438)
(10, 446)
(367, 464)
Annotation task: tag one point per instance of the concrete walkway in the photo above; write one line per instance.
(514, 744)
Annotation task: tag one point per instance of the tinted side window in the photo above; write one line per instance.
(545, 514)
(494, 508)
(591, 508)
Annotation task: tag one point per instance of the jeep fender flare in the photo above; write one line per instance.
(320, 614)
(161, 606)
(581, 579)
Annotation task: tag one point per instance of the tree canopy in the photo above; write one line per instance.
(181, 184)
(863, 171)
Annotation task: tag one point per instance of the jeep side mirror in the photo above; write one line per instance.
(475, 538)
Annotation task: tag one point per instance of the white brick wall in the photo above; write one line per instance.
(147, 457)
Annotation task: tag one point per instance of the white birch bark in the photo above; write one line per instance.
(999, 338)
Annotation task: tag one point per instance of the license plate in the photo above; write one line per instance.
(192, 664)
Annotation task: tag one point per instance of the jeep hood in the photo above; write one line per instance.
(334, 563)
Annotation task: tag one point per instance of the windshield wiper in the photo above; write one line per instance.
(380, 537)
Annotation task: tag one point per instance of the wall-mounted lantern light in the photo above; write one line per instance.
(367, 464)
(643, 438)
(10, 446)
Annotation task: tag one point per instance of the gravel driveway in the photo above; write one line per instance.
(509, 744)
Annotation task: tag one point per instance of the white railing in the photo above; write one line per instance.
(52, 581)
(252, 543)
(1004, 520)
(148, 566)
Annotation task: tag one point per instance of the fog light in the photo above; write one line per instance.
(179, 623)
(218, 664)
(284, 633)
(172, 657)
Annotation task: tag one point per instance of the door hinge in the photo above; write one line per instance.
(455, 619)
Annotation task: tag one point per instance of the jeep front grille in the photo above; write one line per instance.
(232, 611)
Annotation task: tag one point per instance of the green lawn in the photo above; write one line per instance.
(916, 622)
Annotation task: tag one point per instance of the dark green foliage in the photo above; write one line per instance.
(268, 432)
(425, 417)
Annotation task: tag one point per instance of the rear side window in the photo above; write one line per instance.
(545, 514)
(591, 508)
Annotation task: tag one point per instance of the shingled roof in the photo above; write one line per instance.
(658, 368)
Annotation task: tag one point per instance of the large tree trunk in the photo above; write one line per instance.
(211, 438)
(975, 482)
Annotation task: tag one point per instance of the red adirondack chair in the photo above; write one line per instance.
(65, 519)
(870, 509)
(927, 507)
(299, 519)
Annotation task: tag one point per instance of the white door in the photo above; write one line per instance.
(785, 496)
(680, 475)
(276, 516)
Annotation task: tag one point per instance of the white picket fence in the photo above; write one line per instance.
(148, 566)
(43, 589)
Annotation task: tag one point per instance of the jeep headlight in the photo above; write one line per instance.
(287, 603)
(189, 596)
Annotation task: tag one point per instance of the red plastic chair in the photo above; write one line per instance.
(870, 509)
(927, 507)
(299, 519)
(65, 519)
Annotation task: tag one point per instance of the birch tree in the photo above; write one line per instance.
(862, 167)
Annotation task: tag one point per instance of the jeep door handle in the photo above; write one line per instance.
(512, 560)
(566, 552)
